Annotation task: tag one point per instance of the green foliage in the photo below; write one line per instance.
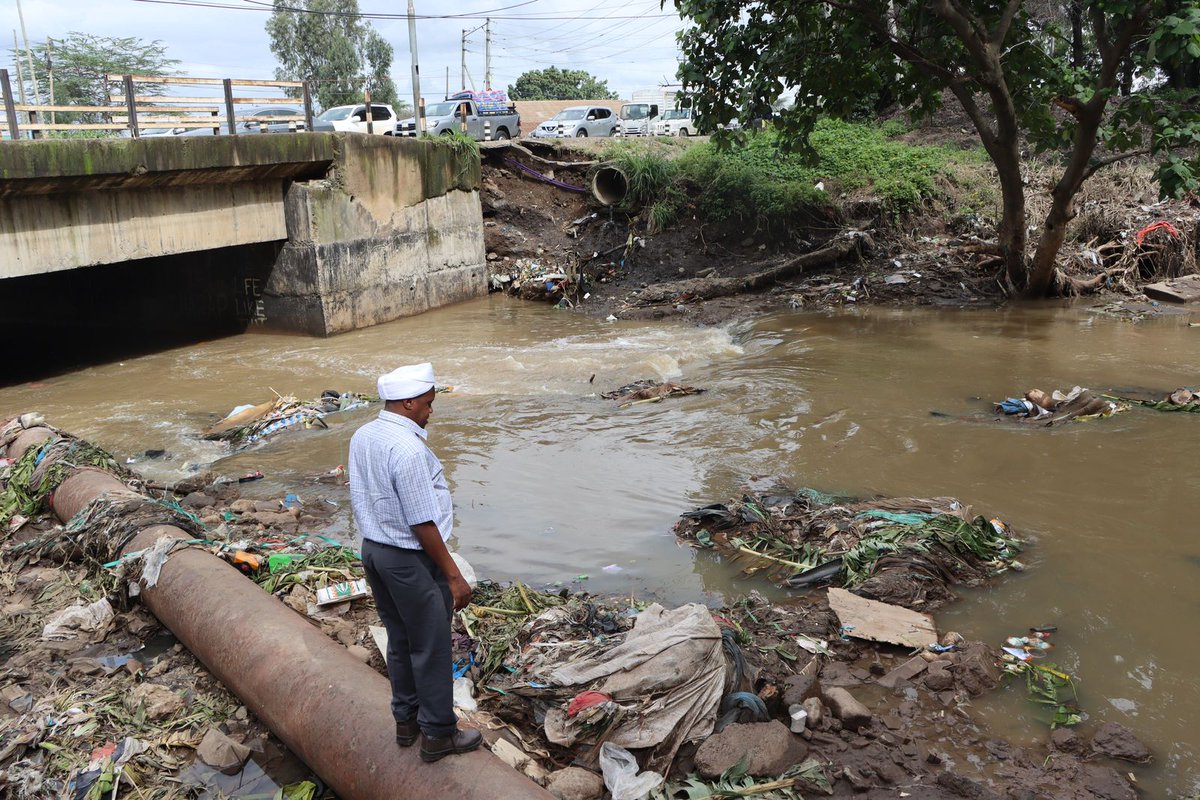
(553, 83)
(757, 181)
(327, 42)
(736, 782)
(650, 173)
(82, 60)
(1016, 69)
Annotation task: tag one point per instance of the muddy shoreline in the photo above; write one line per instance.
(614, 265)
(885, 719)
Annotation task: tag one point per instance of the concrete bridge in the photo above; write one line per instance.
(312, 232)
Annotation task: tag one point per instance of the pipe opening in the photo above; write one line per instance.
(609, 185)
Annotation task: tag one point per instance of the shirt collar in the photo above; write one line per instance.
(403, 422)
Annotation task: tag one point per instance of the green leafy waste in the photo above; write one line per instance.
(736, 782)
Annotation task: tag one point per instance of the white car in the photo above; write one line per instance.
(579, 121)
(353, 119)
(675, 122)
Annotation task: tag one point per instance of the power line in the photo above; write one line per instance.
(472, 15)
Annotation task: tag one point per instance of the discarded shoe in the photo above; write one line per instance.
(407, 732)
(434, 748)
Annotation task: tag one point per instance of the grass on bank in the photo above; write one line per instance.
(756, 182)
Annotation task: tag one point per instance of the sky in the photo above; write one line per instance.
(629, 43)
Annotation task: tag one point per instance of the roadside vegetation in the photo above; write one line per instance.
(757, 181)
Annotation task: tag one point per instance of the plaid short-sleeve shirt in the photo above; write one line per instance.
(396, 482)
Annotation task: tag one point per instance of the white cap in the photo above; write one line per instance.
(406, 383)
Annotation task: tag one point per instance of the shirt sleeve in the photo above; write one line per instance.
(414, 487)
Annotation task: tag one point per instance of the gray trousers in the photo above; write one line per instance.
(415, 604)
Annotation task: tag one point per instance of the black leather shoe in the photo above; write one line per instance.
(434, 748)
(407, 732)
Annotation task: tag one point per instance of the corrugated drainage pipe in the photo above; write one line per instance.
(609, 185)
(332, 710)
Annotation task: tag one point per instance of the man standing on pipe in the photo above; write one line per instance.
(402, 508)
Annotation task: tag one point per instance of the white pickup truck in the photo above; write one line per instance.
(444, 117)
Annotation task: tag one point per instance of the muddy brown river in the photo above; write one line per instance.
(552, 483)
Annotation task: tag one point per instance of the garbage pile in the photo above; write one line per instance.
(247, 425)
(1038, 408)
(1049, 686)
(530, 279)
(906, 551)
(1183, 399)
(648, 391)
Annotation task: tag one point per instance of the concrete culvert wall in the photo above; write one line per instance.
(609, 185)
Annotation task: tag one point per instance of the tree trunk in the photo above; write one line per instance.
(1011, 234)
(1075, 10)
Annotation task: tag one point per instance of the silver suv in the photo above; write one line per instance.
(580, 121)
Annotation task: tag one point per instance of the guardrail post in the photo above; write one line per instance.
(10, 111)
(131, 106)
(216, 123)
(561, 130)
(419, 123)
(487, 130)
(231, 123)
(464, 109)
(367, 108)
(308, 123)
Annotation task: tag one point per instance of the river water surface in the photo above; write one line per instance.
(552, 483)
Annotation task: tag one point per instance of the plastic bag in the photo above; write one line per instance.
(468, 572)
(464, 694)
(621, 776)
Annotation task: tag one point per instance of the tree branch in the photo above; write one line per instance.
(1104, 162)
(1005, 22)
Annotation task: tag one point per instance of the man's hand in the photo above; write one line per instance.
(461, 591)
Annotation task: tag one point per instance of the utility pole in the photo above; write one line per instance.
(487, 55)
(28, 54)
(416, 70)
(462, 76)
(50, 72)
(20, 75)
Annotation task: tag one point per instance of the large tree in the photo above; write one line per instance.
(81, 62)
(553, 83)
(1083, 78)
(327, 42)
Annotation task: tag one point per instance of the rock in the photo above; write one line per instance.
(1114, 740)
(241, 506)
(1066, 741)
(492, 256)
(903, 673)
(965, 787)
(798, 688)
(976, 670)
(853, 714)
(281, 518)
(1105, 783)
(266, 505)
(575, 783)
(193, 483)
(938, 678)
(159, 701)
(771, 747)
(359, 652)
(198, 500)
(222, 753)
(816, 711)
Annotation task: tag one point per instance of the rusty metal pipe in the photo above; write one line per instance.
(328, 707)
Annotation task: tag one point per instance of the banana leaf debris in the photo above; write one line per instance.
(904, 551)
(247, 425)
(1080, 405)
(648, 391)
(1182, 399)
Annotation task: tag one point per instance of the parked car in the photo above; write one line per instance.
(579, 121)
(269, 115)
(444, 118)
(353, 119)
(676, 122)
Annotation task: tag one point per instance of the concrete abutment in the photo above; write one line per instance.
(330, 232)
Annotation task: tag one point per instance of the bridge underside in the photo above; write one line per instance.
(323, 233)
